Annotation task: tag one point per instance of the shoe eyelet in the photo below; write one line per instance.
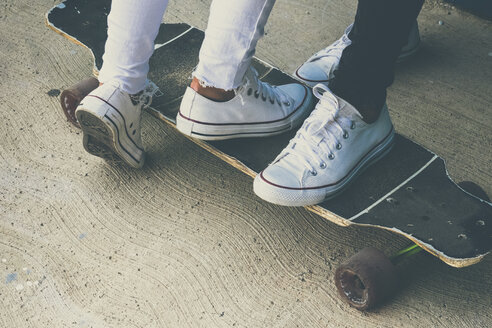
(286, 103)
(134, 131)
(331, 156)
(131, 125)
(314, 173)
(257, 95)
(339, 146)
(250, 92)
(322, 165)
(345, 135)
(352, 126)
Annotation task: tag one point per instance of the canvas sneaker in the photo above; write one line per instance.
(257, 110)
(320, 67)
(330, 149)
(110, 121)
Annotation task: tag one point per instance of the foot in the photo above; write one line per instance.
(330, 149)
(320, 67)
(258, 109)
(212, 93)
(110, 121)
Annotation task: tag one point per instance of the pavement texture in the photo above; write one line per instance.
(185, 242)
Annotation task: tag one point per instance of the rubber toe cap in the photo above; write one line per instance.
(311, 72)
(278, 186)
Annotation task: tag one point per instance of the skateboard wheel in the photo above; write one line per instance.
(366, 279)
(71, 97)
(474, 189)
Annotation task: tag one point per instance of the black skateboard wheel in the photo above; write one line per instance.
(71, 97)
(474, 189)
(366, 279)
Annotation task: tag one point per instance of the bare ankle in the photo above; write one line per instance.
(212, 93)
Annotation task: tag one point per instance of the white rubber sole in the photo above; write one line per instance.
(304, 197)
(210, 131)
(105, 134)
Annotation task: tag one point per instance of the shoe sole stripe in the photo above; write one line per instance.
(118, 139)
(306, 79)
(121, 115)
(250, 123)
(355, 170)
(96, 134)
(242, 133)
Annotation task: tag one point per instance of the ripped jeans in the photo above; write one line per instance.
(233, 30)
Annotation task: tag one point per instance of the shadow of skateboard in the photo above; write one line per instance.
(408, 191)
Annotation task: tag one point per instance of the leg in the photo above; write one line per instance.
(366, 67)
(234, 29)
(350, 127)
(110, 115)
(320, 67)
(226, 99)
(232, 34)
(132, 28)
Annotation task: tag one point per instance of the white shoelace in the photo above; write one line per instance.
(257, 88)
(319, 137)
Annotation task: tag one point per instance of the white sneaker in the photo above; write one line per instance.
(258, 110)
(332, 147)
(110, 121)
(320, 67)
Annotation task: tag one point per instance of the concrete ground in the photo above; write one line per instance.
(184, 242)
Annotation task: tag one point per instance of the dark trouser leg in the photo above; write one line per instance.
(366, 68)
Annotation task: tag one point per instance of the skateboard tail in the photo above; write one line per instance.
(47, 22)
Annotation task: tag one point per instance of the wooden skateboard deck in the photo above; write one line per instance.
(408, 191)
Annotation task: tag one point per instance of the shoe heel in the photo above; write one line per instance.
(98, 137)
(101, 139)
(184, 126)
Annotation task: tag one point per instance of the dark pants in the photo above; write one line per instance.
(366, 68)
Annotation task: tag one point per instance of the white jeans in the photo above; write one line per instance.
(233, 30)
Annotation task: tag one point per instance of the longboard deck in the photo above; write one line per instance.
(408, 191)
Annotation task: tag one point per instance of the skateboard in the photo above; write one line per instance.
(408, 191)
